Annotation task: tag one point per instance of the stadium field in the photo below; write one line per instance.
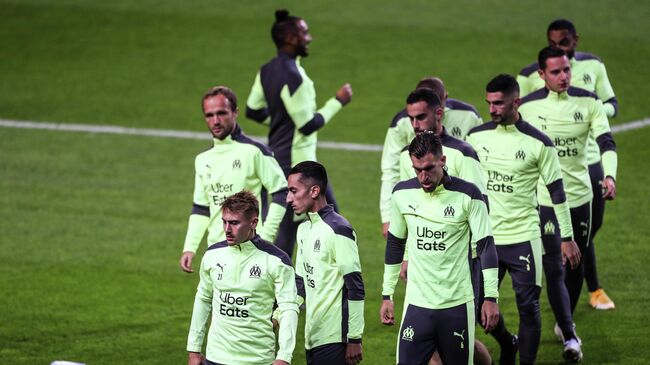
(91, 225)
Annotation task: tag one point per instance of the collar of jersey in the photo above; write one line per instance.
(246, 246)
(446, 180)
(316, 216)
(557, 96)
(510, 127)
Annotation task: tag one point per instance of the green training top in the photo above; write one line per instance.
(587, 72)
(440, 229)
(568, 118)
(459, 117)
(239, 285)
(327, 260)
(514, 158)
(234, 164)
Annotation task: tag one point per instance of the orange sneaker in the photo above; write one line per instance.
(599, 300)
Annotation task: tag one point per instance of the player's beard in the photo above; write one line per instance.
(301, 50)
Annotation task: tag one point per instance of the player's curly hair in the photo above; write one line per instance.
(243, 202)
(284, 25)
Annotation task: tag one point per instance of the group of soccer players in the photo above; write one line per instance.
(462, 203)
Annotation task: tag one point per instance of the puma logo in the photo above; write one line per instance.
(527, 259)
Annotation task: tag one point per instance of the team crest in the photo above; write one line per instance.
(549, 228)
(586, 79)
(317, 245)
(456, 132)
(236, 164)
(578, 117)
(449, 211)
(255, 271)
(520, 155)
(408, 333)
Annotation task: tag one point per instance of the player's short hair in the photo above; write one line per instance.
(427, 95)
(284, 25)
(434, 83)
(423, 143)
(503, 83)
(243, 202)
(546, 53)
(311, 172)
(221, 90)
(562, 24)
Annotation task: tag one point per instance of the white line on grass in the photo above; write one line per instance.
(168, 133)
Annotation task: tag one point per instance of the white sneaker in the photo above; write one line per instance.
(572, 351)
(558, 332)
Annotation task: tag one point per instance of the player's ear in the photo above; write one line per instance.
(314, 191)
(517, 102)
(254, 222)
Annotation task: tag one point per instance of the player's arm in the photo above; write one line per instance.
(390, 171)
(272, 178)
(395, 245)
(201, 312)
(256, 108)
(605, 92)
(346, 254)
(197, 225)
(609, 159)
(299, 106)
(286, 298)
(481, 233)
(551, 174)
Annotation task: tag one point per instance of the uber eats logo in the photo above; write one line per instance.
(499, 182)
(230, 305)
(430, 240)
(566, 147)
(309, 277)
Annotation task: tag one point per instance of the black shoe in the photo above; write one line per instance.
(509, 352)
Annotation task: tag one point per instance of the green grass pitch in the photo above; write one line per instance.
(91, 225)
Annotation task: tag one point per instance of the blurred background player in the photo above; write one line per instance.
(242, 278)
(233, 164)
(327, 260)
(283, 96)
(443, 219)
(568, 115)
(458, 118)
(514, 156)
(589, 73)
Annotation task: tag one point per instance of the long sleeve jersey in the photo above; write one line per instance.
(233, 164)
(327, 260)
(514, 158)
(587, 72)
(440, 228)
(239, 285)
(459, 117)
(283, 91)
(568, 118)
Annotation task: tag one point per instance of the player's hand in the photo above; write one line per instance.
(489, 315)
(194, 358)
(353, 353)
(609, 188)
(280, 362)
(403, 271)
(570, 253)
(384, 228)
(186, 261)
(387, 312)
(344, 94)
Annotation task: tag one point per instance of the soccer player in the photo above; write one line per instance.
(568, 115)
(589, 73)
(458, 117)
(234, 163)
(284, 97)
(442, 219)
(327, 260)
(514, 156)
(241, 278)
